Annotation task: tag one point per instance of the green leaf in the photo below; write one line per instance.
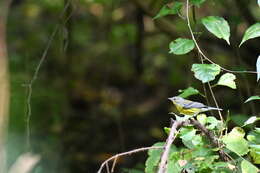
(227, 79)
(252, 32)
(167, 10)
(252, 98)
(205, 72)
(173, 166)
(187, 134)
(188, 92)
(202, 118)
(254, 136)
(167, 130)
(213, 123)
(239, 119)
(255, 156)
(258, 68)
(181, 46)
(197, 2)
(154, 156)
(254, 145)
(248, 167)
(217, 26)
(235, 141)
(251, 120)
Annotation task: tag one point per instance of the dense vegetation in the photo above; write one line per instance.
(91, 78)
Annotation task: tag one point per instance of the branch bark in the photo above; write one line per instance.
(174, 128)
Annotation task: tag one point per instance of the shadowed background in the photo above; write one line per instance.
(103, 86)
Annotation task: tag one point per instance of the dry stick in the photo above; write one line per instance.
(126, 153)
(35, 76)
(107, 167)
(174, 128)
(200, 51)
(114, 164)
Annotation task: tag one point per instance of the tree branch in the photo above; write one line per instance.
(115, 157)
(213, 139)
(174, 128)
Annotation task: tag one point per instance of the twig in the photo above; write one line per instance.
(114, 164)
(203, 56)
(35, 76)
(174, 128)
(126, 153)
(216, 103)
(107, 167)
(200, 51)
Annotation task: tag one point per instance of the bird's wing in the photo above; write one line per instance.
(188, 105)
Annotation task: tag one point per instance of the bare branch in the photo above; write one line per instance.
(174, 128)
(126, 153)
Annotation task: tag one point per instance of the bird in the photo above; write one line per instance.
(188, 107)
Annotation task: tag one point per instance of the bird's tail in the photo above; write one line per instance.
(213, 108)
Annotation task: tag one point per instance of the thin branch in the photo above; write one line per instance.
(114, 164)
(216, 103)
(203, 56)
(34, 78)
(107, 167)
(199, 49)
(174, 128)
(126, 153)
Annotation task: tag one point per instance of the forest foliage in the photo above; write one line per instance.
(102, 70)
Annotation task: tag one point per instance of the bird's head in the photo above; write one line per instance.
(175, 99)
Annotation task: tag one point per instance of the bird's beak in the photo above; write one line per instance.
(170, 98)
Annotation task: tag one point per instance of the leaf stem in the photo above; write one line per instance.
(201, 52)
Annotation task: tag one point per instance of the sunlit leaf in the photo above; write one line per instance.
(258, 3)
(252, 32)
(205, 72)
(217, 26)
(227, 79)
(255, 156)
(167, 130)
(235, 141)
(188, 92)
(248, 167)
(197, 2)
(169, 10)
(181, 46)
(251, 120)
(202, 118)
(258, 68)
(252, 98)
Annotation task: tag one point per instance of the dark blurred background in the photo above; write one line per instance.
(104, 84)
